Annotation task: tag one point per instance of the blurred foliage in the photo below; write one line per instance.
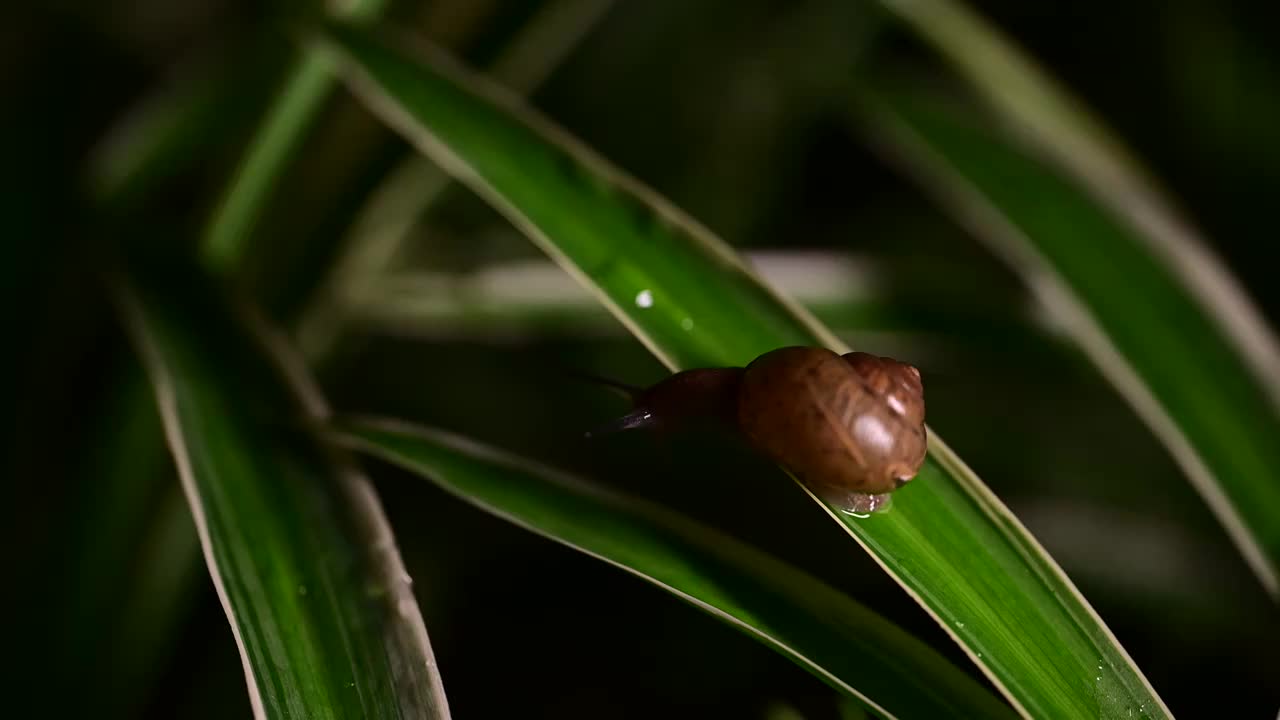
(734, 109)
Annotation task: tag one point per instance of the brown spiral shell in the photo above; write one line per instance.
(842, 424)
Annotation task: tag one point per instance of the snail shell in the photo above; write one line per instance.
(851, 428)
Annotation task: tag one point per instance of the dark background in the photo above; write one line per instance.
(736, 110)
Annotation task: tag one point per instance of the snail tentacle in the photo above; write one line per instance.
(638, 418)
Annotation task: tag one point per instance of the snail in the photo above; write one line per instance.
(849, 427)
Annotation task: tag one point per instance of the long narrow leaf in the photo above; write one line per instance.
(184, 122)
(949, 542)
(1168, 324)
(849, 294)
(843, 643)
(382, 226)
(133, 540)
(306, 86)
(296, 542)
(1127, 309)
(127, 540)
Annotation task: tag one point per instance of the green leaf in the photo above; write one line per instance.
(1157, 312)
(303, 92)
(1142, 327)
(306, 87)
(949, 542)
(133, 544)
(844, 644)
(130, 533)
(383, 225)
(847, 293)
(297, 544)
(172, 129)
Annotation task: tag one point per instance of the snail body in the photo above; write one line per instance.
(849, 427)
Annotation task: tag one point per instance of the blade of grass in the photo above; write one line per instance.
(296, 542)
(131, 576)
(1027, 98)
(383, 225)
(159, 139)
(844, 644)
(847, 293)
(1128, 310)
(163, 588)
(305, 89)
(204, 106)
(949, 542)
(1065, 132)
(306, 86)
(1174, 255)
(124, 593)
